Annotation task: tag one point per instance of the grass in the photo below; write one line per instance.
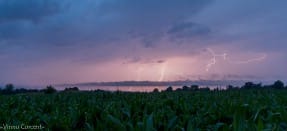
(198, 110)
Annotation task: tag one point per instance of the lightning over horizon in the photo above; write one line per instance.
(249, 60)
(213, 59)
(162, 72)
(225, 57)
(61, 41)
(139, 73)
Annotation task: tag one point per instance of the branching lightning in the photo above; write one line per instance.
(162, 72)
(213, 60)
(250, 60)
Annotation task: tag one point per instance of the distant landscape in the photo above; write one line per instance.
(119, 86)
(252, 106)
(162, 83)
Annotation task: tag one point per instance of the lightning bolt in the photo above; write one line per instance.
(224, 56)
(162, 72)
(139, 73)
(250, 60)
(213, 59)
(212, 62)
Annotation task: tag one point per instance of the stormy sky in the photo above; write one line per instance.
(64, 41)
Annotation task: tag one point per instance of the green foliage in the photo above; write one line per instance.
(201, 110)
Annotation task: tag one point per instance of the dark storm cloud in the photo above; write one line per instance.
(256, 25)
(188, 30)
(22, 22)
(149, 20)
(141, 60)
(31, 10)
(90, 24)
(102, 17)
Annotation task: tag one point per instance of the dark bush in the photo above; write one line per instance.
(50, 90)
(185, 88)
(204, 89)
(194, 87)
(169, 89)
(278, 84)
(9, 88)
(72, 89)
(251, 85)
(178, 89)
(155, 90)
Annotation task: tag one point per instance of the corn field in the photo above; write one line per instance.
(183, 111)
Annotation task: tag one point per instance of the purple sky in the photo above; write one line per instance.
(63, 41)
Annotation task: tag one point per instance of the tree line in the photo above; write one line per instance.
(10, 89)
(248, 85)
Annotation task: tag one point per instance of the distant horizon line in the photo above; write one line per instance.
(203, 82)
(163, 83)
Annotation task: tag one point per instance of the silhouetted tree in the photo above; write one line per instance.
(216, 89)
(169, 89)
(21, 90)
(155, 90)
(194, 87)
(9, 88)
(50, 89)
(72, 89)
(185, 88)
(230, 87)
(278, 84)
(178, 89)
(251, 85)
(204, 89)
(248, 85)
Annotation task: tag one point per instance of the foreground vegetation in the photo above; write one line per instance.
(249, 109)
